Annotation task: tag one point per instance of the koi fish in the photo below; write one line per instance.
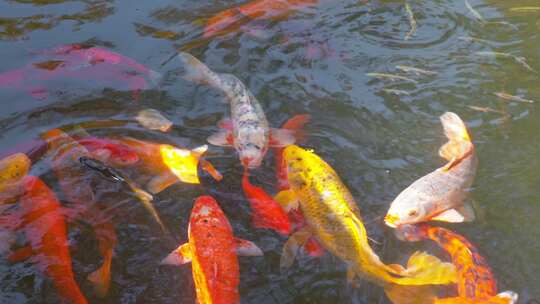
(333, 217)
(13, 169)
(110, 151)
(440, 195)
(476, 282)
(153, 120)
(248, 129)
(232, 19)
(391, 77)
(168, 164)
(45, 230)
(265, 212)
(212, 250)
(65, 153)
(79, 62)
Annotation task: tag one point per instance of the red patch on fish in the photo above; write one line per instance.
(266, 212)
(110, 151)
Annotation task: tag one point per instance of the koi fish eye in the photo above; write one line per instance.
(412, 213)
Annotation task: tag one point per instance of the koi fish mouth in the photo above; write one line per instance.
(390, 220)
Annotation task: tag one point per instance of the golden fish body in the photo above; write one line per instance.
(333, 217)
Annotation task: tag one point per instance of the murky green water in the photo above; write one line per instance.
(314, 62)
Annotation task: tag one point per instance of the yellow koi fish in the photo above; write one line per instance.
(440, 194)
(13, 169)
(333, 217)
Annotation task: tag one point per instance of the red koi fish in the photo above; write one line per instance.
(72, 177)
(45, 230)
(110, 151)
(232, 19)
(476, 282)
(212, 250)
(265, 211)
(79, 62)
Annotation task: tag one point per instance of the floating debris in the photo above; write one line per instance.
(396, 92)
(525, 9)
(412, 21)
(509, 97)
(416, 71)
(391, 77)
(153, 120)
(486, 110)
(475, 13)
(518, 59)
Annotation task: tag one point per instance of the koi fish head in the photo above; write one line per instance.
(405, 209)
(251, 155)
(299, 163)
(207, 213)
(13, 168)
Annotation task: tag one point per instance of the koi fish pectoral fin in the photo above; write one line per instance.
(179, 256)
(208, 167)
(247, 248)
(281, 138)
(21, 254)
(161, 182)
(287, 199)
(226, 124)
(223, 138)
(459, 214)
(292, 246)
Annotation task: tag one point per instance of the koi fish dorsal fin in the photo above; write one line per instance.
(291, 247)
(459, 141)
(179, 256)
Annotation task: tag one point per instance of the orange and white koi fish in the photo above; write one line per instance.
(13, 169)
(476, 282)
(232, 19)
(45, 230)
(168, 164)
(248, 129)
(212, 250)
(440, 195)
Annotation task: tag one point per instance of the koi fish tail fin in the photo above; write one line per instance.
(101, 278)
(196, 71)
(509, 295)
(459, 141)
(424, 269)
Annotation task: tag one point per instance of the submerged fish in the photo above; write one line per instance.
(13, 169)
(153, 120)
(476, 282)
(45, 230)
(212, 250)
(412, 21)
(168, 164)
(265, 211)
(506, 96)
(233, 19)
(333, 217)
(440, 194)
(521, 60)
(248, 129)
(414, 70)
(72, 177)
(109, 151)
(525, 9)
(391, 77)
(475, 13)
(79, 62)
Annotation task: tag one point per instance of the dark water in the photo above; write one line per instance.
(314, 62)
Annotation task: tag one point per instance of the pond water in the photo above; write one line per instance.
(379, 135)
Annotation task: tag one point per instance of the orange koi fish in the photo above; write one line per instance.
(169, 165)
(232, 19)
(45, 230)
(212, 250)
(440, 195)
(476, 283)
(265, 211)
(13, 169)
(65, 153)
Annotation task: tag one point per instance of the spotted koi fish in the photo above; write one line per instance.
(248, 129)
(476, 282)
(212, 250)
(440, 195)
